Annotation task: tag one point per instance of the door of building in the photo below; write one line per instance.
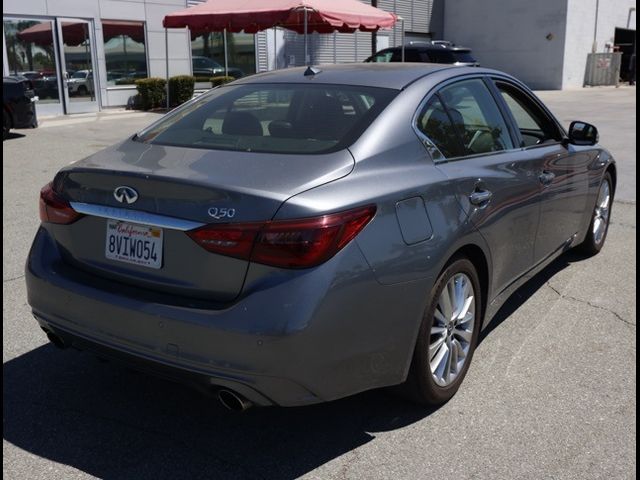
(77, 64)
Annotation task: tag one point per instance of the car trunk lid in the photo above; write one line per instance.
(180, 188)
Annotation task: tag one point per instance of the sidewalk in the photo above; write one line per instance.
(78, 118)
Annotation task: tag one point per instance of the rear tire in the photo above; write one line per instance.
(599, 225)
(448, 335)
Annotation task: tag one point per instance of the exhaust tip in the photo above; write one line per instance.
(232, 401)
(55, 339)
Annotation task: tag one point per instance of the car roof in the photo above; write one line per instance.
(425, 46)
(15, 79)
(384, 75)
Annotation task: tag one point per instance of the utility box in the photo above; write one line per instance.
(603, 69)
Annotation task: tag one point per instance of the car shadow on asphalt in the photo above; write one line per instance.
(114, 423)
(111, 422)
(14, 135)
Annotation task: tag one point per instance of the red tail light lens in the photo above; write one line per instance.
(291, 243)
(235, 240)
(54, 208)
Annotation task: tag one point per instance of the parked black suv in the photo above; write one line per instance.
(429, 52)
(19, 109)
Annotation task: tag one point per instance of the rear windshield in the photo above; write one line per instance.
(272, 118)
(462, 56)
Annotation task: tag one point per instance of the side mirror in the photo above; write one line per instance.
(582, 133)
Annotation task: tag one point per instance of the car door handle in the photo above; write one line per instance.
(480, 197)
(546, 178)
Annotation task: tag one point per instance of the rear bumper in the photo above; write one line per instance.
(24, 115)
(292, 340)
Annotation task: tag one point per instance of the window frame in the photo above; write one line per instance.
(431, 147)
(494, 80)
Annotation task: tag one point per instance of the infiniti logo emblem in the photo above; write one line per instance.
(125, 194)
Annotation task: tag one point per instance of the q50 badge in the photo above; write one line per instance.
(220, 213)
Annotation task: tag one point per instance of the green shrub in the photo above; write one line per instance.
(180, 89)
(152, 92)
(203, 79)
(221, 80)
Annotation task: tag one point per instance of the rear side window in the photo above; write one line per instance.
(279, 118)
(436, 124)
(535, 126)
(411, 56)
(441, 56)
(475, 113)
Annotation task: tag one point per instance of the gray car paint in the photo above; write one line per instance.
(298, 337)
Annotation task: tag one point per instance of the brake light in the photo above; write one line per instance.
(299, 243)
(54, 208)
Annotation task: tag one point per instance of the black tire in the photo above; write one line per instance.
(6, 125)
(592, 243)
(82, 91)
(421, 386)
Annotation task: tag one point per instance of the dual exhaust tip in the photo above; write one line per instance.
(55, 339)
(233, 401)
(228, 398)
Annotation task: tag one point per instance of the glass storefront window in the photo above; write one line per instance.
(124, 51)
(207, 53)
(31, 53)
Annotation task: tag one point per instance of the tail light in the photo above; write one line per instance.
(54, 208)
(299, 243)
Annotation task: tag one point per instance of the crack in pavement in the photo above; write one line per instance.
(586, 302)
(13, 279)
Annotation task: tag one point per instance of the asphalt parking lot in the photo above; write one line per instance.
(551, 393)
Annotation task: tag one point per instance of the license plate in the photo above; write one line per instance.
(132, 243)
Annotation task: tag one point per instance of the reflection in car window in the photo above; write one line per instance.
(436, 124)
(287, 118)
(534, 125)
(382, 57)
(474, 112)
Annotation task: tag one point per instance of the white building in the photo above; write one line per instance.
(99, 47)
(544, 43)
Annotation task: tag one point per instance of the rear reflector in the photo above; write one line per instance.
(54, 208)
(299, 243)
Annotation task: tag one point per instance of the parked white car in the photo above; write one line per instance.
(81, 83)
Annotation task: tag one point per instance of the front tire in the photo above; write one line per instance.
(599, 225)
(448, 335)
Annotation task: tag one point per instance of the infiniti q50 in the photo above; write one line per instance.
(302, 235)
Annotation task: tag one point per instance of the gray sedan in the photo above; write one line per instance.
(301, 235)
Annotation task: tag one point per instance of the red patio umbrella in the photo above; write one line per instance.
(76, 33)
(322, 16)
(302, 16)
(40, 34)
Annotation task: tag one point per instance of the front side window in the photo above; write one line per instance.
(382, 57)
(476, 116)
(124, 51)
(534, 124)
(289, 118)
